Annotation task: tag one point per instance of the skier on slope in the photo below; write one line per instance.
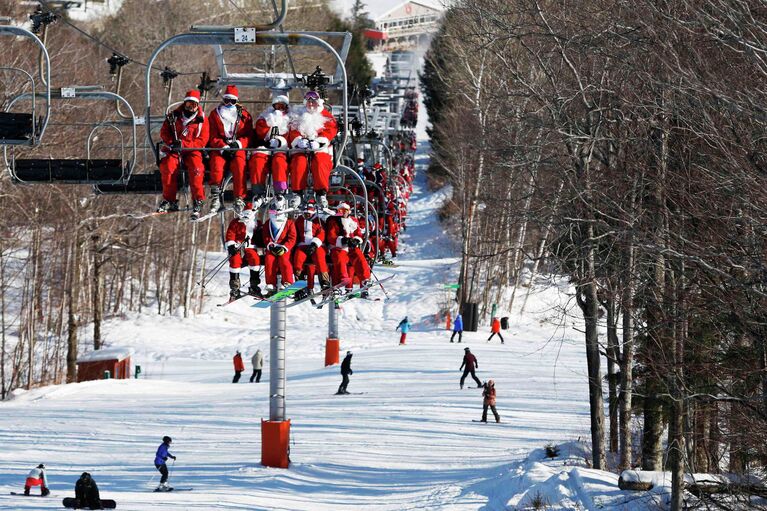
(87, 492)
(239, 366)
(185, 127)
(495, 329)
(404, 327)
(230, 130)
(468, 365)
(457, 328)
(160, 458)
(346, 371)
(270, 131)
(258, 364)
(241, 240)
(37, 477)
(488, 395)
(312, 128)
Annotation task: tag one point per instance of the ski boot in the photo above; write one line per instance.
(322, 200)
(302, 293)
(215, 199)
(167, 206)
(163, 487)
(294, 200)
(196, 209)
(234, 286)
(270, 290)
(255, 281)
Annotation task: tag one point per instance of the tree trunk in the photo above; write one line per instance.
(72, 298)
(613, 359)
(590, 306)
(97, 308)
(627, 363)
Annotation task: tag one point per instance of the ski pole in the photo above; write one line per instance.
(379, 283)
(212, 272)
(170, 472)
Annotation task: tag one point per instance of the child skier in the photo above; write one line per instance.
(160, 458)
(488, 395)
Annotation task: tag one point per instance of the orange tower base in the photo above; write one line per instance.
(275, 443)
(332, 351)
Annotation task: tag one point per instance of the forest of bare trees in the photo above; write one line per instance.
(622, 145)
(69, 259)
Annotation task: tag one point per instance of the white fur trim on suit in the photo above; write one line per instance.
(282, 140)
(230, 243)
(317, 242)
(324, 142)
(276, 118)
(308, 123)
(230, 96)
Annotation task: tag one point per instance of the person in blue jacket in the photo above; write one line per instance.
(404, 327)
(159, 461)
(457, 328)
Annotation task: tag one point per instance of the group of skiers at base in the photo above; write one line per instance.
(283, 139)
(86, 490)
(310, 245)
(258, 365)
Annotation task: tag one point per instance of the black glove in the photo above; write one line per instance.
(232, 250)
(354, 242)
(278, 250)
(176, 145)
(311, 248)
(345, 241)
(174, 458)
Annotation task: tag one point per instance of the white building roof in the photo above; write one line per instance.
(377, 9)
(113, 353)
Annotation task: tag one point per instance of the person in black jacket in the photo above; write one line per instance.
(87, 492)
(346, 370)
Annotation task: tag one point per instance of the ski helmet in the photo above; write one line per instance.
(167, 440)
(41, 465)
(466, 349)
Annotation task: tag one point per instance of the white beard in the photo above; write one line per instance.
(307, 123)
(276, 118)
(349, 224)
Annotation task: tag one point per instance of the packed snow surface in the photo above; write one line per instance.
(406, 440)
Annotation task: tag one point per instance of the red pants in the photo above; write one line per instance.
(342, 260)
(318, 258)
(257, 167)
(274, 263)
(251, 257)
(392, 246)
(322, 164)
(169, 175)
(31, 481)
(236, 164)
(402, 338)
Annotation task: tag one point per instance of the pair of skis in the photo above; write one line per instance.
(359, 293)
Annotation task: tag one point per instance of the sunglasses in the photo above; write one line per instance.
(230, 101)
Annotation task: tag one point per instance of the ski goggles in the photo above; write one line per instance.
(312, 96)
(229, 101)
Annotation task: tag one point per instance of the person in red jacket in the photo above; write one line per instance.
(185, 127)
(488, 400)
(239, 366)
(230, 130)
(241, 242)
(278, 237)
(495, 329)
(468, 366)
(312, 128)
(309, 256)
(345, 239)
(270, 131)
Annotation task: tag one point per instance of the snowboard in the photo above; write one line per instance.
(289, 291)
(30, 495)
(486, 422)
(73, 503)
(348, 393)
(141, 216)
(157, 490)
(328, 293)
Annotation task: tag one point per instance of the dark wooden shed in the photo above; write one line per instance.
(116, 360)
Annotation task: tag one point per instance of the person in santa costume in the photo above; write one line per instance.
(241, 241)
(270, 132)
(312, 128)
(345, 238)
(309, 256)
(230, 130)
(185, 127)
(278, 238)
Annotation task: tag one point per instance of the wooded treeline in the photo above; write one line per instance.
(622, 144)
(70, 259)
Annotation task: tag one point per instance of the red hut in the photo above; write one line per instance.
(91, 366)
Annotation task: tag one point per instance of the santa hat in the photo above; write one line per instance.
(193, 95)
(231, 92)
(310, 207)
(343, 205)
(280, 98)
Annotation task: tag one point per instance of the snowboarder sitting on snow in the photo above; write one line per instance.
(87, 492)
(457, 328)
(346, 371)
(489, 400)
(159, 461)
(469, 364)
(404, 327)
(239, 366)
(37, 477)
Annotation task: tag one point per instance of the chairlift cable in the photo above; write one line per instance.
(287, 48)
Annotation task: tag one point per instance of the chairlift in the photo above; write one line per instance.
(27, 128)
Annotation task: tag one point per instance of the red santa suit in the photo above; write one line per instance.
(270, 131)
(311, 236)
(191, 132)
(240, 233)
(278, 231)
(230, 126)
(340, 230)
(319, 128)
